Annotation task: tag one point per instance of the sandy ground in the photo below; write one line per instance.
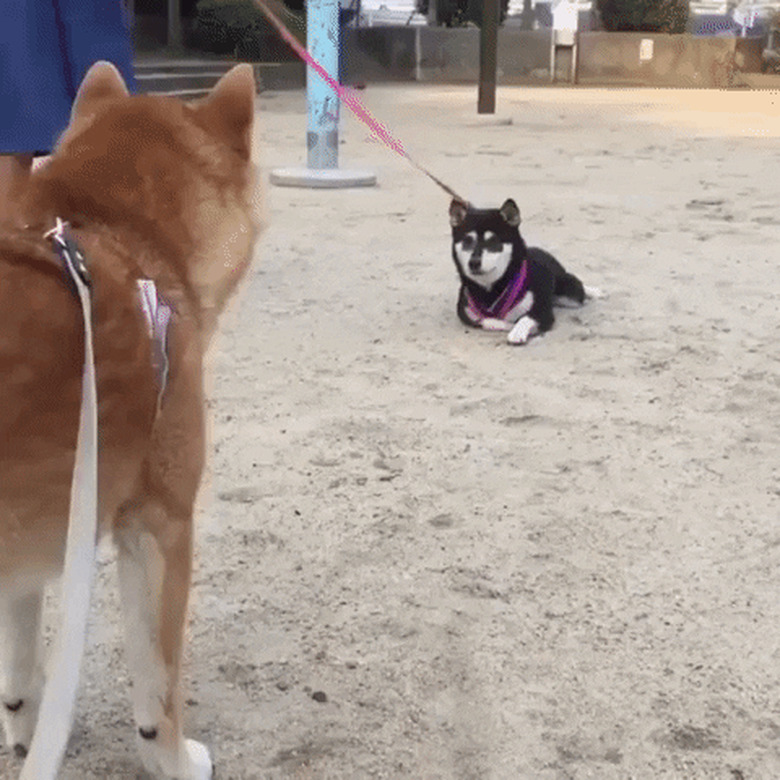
(423, 553)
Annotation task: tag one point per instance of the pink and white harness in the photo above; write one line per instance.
(505, 302)
(158, 317)
(156, 311)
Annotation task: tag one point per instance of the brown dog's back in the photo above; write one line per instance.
(154, 191)
(41, 356)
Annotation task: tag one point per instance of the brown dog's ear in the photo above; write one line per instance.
(510, 213)
(458, 212)
(102, 83)
(230, 108)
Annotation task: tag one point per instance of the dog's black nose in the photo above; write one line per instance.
(475, 264)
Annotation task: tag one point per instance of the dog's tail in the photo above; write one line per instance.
(59, 696)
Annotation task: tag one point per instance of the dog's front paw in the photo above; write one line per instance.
(491, 323)
(523, 329)
(192, 760)
(201, 766)
(19, 719)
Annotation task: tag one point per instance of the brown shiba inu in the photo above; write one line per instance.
(153, 189)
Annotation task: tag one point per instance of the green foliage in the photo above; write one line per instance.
(662, 16)
(238, 27)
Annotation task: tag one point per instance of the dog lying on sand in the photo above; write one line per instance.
(505, 285)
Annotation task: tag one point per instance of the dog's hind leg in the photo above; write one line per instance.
(568, 288)
(21, 670)
(155, 556)
(594, 292)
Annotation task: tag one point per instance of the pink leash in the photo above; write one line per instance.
(351, 101)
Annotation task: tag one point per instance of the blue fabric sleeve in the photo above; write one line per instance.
(46, 47)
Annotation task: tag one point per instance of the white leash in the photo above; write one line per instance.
(59, 696)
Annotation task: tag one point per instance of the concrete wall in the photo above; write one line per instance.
(374, 54)
(441, 54)
(452, 56)
(642, 59)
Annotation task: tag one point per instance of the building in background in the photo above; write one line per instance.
(165, 22)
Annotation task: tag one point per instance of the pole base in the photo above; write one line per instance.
(488, 120)
(322, 178)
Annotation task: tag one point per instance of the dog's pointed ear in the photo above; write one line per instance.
(510, 213)
(102, 83)
(458, 212)
(230, 108)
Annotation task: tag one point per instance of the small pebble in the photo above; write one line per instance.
(320, 696)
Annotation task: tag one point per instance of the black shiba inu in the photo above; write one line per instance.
(505, 285)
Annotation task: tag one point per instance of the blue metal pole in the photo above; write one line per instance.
(322, 41)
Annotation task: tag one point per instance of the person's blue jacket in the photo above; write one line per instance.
(46, 47)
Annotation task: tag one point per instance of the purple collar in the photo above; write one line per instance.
(505, 302)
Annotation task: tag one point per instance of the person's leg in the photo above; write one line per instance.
(14, 172)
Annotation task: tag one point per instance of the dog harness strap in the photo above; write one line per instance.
(504, 303)
(513, 293)
(474, 310)
(157, 312)
(68, 251)
(158, 317)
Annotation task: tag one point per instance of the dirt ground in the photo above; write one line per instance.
(426, 554)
